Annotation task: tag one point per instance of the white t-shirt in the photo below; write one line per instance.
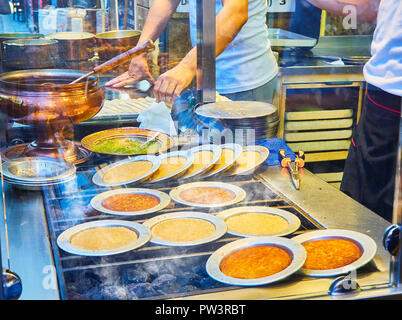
(248, 61)
(384, 69)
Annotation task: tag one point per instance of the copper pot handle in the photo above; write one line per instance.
(121, 58)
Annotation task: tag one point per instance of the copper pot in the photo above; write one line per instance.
(44, 98)
(15, 36)
(112, 43)
(75, 46)
(30, 54)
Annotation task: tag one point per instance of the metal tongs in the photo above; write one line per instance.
(293, 166)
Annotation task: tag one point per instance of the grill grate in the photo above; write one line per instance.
(152, 271)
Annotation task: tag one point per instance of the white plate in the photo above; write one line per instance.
(216, 154)
(237, 150)
(189, 161)
(220, 227)
(240, 194)
(264, 153)
(366, 243)
(63, 240)
(293, 221)
(98, 176)
(295, 249)
(97, 201)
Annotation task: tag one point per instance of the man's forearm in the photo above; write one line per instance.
(229, 21)
(366, 9)
(157, 19)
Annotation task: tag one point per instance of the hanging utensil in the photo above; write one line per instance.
(121, 58)
(293, 166)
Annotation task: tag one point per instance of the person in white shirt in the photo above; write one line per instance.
(246, 68)
(369, 174)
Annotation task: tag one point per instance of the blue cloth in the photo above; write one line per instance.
(274, 145)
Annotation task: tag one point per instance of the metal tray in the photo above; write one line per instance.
(190, 159)
(50, 170)
(63, 240)
(220, 227)
(98, 176)
(237, 149)
(164, 140)
(283, 38)
(367, 245)
(236, 110)
(264, 153)
(295, 249)
(216, 154)
(240, 194)
(97, 201)
(293, 221)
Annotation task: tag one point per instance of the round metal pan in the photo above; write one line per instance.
(220, 227)
(189, 161)
(217, 168)
(165, 141)
(98, 176)
(240, 194)
(143, 233)
(216, 154)
(97, 201)
(293, 221)
(236, 110)
(366, 244)
(264, 153)
(295, 249)
(50, 170)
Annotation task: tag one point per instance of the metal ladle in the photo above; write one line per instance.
(121, 58)
(118, 60)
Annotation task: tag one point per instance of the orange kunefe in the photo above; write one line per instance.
(255, 262)
(331, 253)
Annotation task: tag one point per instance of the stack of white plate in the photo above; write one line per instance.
(34, 173)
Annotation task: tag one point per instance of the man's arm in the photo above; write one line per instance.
(366, 9)
(229, 21)
(157, 19)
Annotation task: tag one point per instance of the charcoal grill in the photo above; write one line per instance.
(152, 271)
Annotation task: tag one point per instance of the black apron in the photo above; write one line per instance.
(369, 173)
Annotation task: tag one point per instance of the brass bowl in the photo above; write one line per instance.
(43, 98)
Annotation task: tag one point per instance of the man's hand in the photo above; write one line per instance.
(171, 83)
(138, 70)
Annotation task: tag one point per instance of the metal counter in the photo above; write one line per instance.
(31, 257)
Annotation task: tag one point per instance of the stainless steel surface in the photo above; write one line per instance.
(292, 220)
(366, 243)
(98, 176)
(396, 260)
(327, 205)
(29, 244)
(206, 80)
(64, 239)
(239, 193)
(294, 249)
(97, 201)
(284, 38)
(219, 224)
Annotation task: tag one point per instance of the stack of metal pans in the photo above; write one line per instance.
(35, 173)
(247, 120)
